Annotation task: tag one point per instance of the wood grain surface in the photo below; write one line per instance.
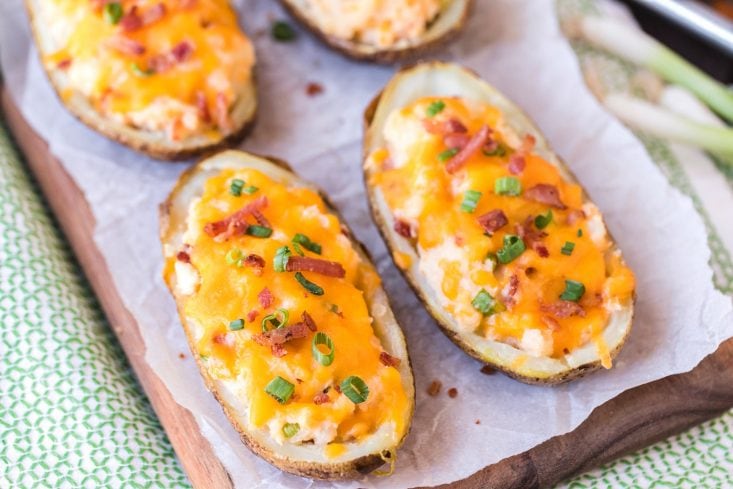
(628, 422)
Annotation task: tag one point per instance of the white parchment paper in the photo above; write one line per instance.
(515, 45)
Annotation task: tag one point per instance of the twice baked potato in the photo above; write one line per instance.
(491, 229)
(384, 31)
(286, 318)
(170, 78)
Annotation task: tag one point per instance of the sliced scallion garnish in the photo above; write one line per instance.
(250, 189)
(580, 233)
(513, 247)
(234, 257)
(258, 231)
(280, 389)
(542, 221)
(484, 303)
(574, 290)
(141, 72)
(470, 200)
(113, 12)
(308, 285)
(281, 259)
(306, 243)
(236, 325)
(447, 154)
(508, 186)
(321, 338)
(355, 389)
(435, 108)
(277, 319)
(290, 429)
(282, 31)
(567, 248)
(235, 188)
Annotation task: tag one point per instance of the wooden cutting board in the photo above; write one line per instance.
(632, 420)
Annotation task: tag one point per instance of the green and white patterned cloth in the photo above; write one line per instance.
(72, 415)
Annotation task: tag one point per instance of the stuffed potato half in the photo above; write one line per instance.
(384, 31)
(286, 317)
(491, 229)
(169, 78)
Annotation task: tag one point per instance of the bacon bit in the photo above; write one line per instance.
(452, 392)
(313, 89)
(540, 249)
(487, 370)
(316, 265)
(510, 290)
(154, 14)
(278, 350)
(403, 228)
(308, 321)
(563, 309)
(443, 128)
(234, 223)
(125, 45)
(591, 300)
(266, 298)
(256, 262)
(388, 360)
(530, 271)
(184, 257)
(528, 233)
(551, 323)
(493, 220)
(490, 146)
(222, 339)
(458, 240)
(64, 64)
(163, 62)
(478, 140)
(574, 216)
(434, 388)
(527, 144)
(516, 164)
(131, 21)
(261, 220)
(277, 337)
(252, 315)
(545, 193)
(222, 111)
(321, 399)
(456, 140)
(203, 107)
(181, 356)
(337, 388)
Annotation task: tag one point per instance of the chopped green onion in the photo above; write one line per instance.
(484, 303)
(236, 325)
(309, 286)
(282, 31)
(355, 389)
(513, 247)
(113, 12)
(334, 308)
(306, 242)
(280, 389)
(278, 319)
(447, 154)
(435, 108)
(236, 187)
(290, 429)
(140, 72)
(249, 190)
(234, 257)
(321, 338)
(470, 200)
(281, 259)
(500, 150)
(258, 231)
(567, 248)
(580, 232)
(541, 221)
(508, 186)
(573, 291)
(298, 249)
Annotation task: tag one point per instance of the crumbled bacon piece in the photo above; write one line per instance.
(528, 232)
(154, 13)
(266, 298)
(510, 290)
(456, 140)
(478, 140)
(493, 220)
(337, 388)
(125, 45)
(403, 228)
(452, 392)
(321, 398)
(131, 21)
(442, 128)
(563, 309)
(315, 265)
(545, 193)
(434, 388)
(223, 339)
(388, 360)
(252, 315)
(184, 257)
(203, 107)
(278, 350)
(308, 321)
(591, 300)
(487, 370)
(261, 220)
(63, 64)
(574, 216)
(516, 164)
(540, 249)
(313, 89)
(277, 337)
(551, 323)
(256, 262)
(222, 111)
(163, 62)
(234, 223)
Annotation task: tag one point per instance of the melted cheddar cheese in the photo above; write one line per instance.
(379, 23)
(171, 65)
(457, 254)
(213, 292)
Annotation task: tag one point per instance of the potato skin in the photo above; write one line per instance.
(111, 129)
(387, 56)
(388, 235)
(351, 469)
